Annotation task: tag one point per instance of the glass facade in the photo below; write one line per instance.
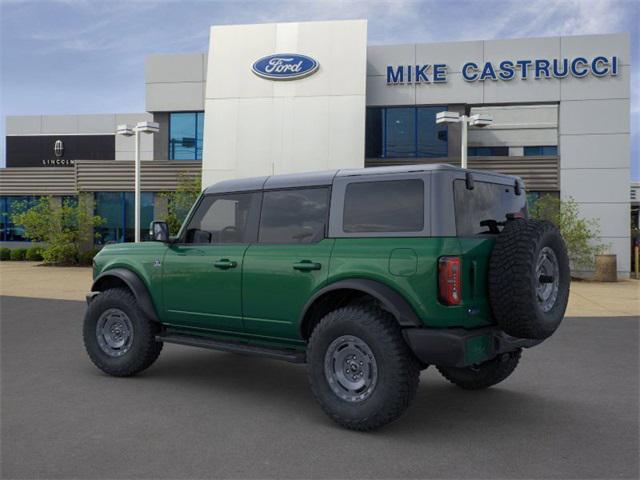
(404, 132)
(488, 151)
(10, 232)
(541, 151)
(185, 135)
(116, 208)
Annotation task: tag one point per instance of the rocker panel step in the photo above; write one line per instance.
(290, 355)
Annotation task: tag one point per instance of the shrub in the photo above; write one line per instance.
(582, 236)
(64, 228)
(180, 202)
(34, 254)
(86, 258)
(5, 253)
(18, 253)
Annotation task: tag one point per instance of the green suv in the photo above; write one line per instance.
(367, 276)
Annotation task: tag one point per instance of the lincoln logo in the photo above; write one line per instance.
(58, 148)
(285, 66)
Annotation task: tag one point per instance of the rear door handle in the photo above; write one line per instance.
(306, 266)
(225, 263)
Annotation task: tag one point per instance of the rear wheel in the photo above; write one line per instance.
(118, 337)
(361, 371)
(484, 375)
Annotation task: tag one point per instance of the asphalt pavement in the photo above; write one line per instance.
(569, 411)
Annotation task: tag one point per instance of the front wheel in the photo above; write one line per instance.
(485, 375)
(361, 371)
(118, 337)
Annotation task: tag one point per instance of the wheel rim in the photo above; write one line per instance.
(350, 368)
(548, 279)
(114, 332)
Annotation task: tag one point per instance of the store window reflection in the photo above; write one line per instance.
(405, 132)
(185, 135)
(9, 205)
(117, 209)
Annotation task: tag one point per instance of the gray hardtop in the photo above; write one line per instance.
(327, 177)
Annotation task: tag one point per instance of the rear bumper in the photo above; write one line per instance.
(457, 347)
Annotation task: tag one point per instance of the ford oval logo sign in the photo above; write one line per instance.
(285, 66)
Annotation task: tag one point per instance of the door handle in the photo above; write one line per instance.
(306, 266)
(225, 263)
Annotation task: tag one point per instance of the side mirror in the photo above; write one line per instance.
(159, 231)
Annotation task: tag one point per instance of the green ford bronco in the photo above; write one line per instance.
(367, 276)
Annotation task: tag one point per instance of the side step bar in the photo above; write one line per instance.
(288, 355)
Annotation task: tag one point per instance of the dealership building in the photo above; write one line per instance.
(292, 97)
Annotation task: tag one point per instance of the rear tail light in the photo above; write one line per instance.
(449, 280)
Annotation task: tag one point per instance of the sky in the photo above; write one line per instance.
(87, 56)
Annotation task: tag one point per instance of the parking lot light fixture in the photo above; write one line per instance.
(128, 131)
(477, 120)
(125, 130)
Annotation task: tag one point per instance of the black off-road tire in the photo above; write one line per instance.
(484, 375)
(143, 349)
(398, 371)
(514, 282)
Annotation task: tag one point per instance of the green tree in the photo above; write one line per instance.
(180, 202)
(582, 236)
(65, 228)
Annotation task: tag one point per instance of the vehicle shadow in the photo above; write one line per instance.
(437, 408)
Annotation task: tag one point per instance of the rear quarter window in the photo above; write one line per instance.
(384, 206)
(487, 201)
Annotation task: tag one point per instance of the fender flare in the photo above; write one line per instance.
(135, 284)
(390, 299)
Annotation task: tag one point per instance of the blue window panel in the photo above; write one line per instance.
(117, 209)
(550, 151)
(400, 132)
(199, 134)
(541, 151)
(146, 215)
(109, 207)
(532, 151)
(488, 151)
(185, 135)
(431, 137)
(9, 205)
(374, 138)
(405, 132)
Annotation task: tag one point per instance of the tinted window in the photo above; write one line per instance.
(374, 131)
(541, 151)
(432, 137)
(224, 219)
(387, 206)
(487, 201)
(294, 216)
(185, 135)
(117, 210)
(400, 132)
(488, 151)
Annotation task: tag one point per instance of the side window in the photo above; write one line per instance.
(384, 206)
(224, 219)
(294, 216)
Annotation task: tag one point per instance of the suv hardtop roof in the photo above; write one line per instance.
(326, 177)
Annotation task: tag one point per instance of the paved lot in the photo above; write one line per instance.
(33, 280)
(570, 411)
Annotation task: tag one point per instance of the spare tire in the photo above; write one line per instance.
(529, 279)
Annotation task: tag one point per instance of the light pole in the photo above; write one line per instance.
(477, 120)
(128, 131)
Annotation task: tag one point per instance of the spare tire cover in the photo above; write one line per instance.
(529, 278)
